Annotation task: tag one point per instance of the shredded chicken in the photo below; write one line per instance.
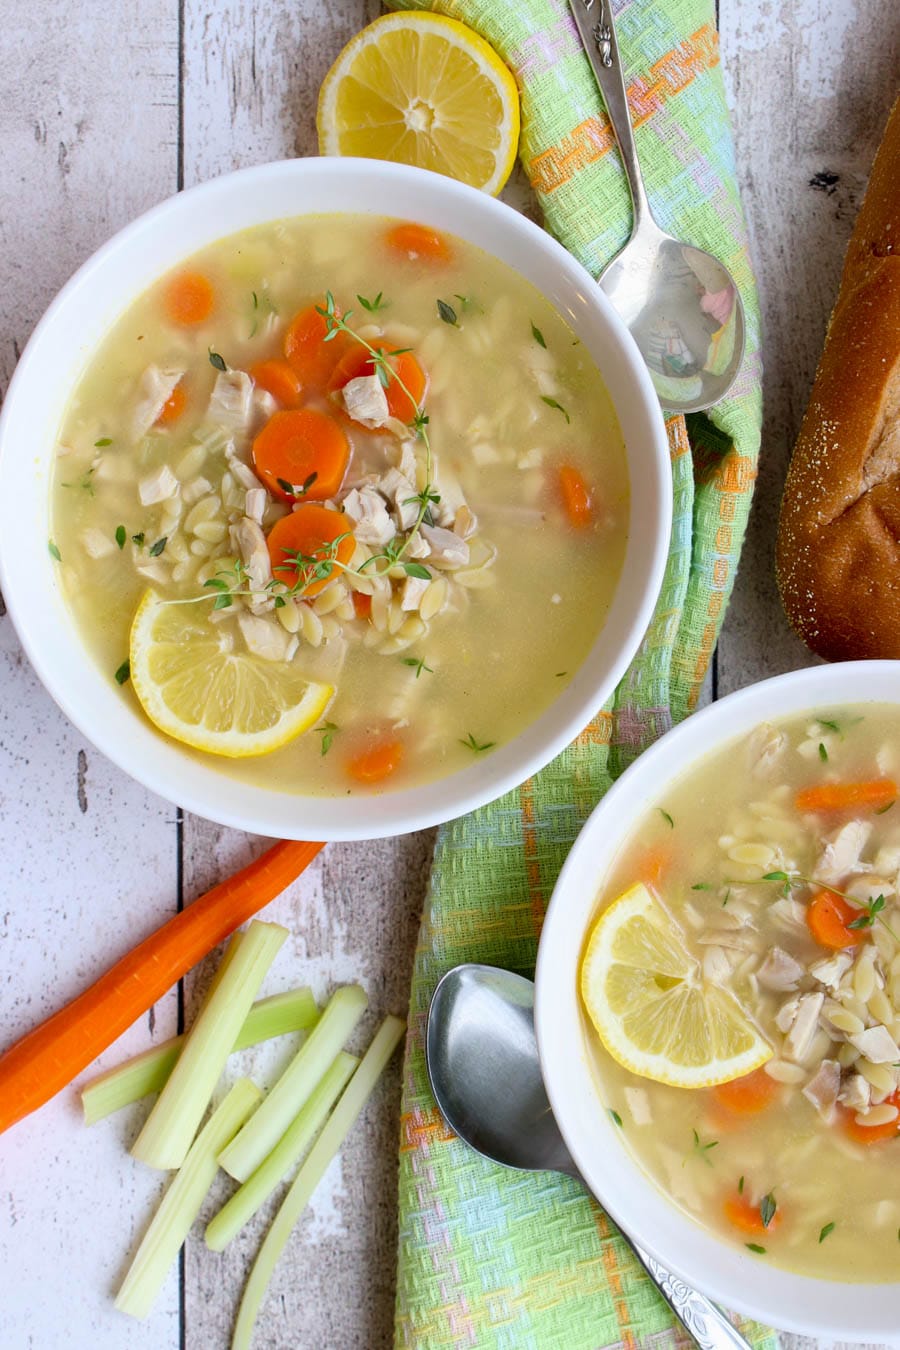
(877, 1044)
(231, 400)
(790, 916)
(417, 548)
(638, 1103)
(822, 1089)
(448, 487)
(842, 853)
(241, 472)
(803, 1028)
(255, 503)
(832, 969)
(779, 971)
(465, 523)
(365, 509)
(766, 746)
(400, 492)
(96, 544)
(856, 1093)
(159, 486)
(445, 548)
(264, 637)
(249, 542)
(406, 461)
(413, 590)
(716, 965)
(262, 406)
(154, 392)
(365, 401)
(197, 487)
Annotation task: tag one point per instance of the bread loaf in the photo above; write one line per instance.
(838, 553)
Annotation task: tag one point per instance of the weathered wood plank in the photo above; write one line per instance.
(88, 125)
(811, 83)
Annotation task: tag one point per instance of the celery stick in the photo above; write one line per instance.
(336, 1129)
(299, 1134)
(172, 1124)
(181, 1203)
(259, 1136)
(147, 1072)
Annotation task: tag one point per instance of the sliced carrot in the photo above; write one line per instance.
(362, 605)
(576, 497)
(173, 407)
(846, 796)
(418, 241)
(306, 348)
(47, 1058)
(189, 298)
(742, 1214)
(280, 379)
(828, 917)
(871, 1134)
(748, 1095)
(294, 445)
(358, 361)
(310, 530)
(376, 763)
(653, 863)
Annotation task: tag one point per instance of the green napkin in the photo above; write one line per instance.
(520, 1261)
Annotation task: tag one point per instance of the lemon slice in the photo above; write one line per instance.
(194, 685)
(652, 1010)
(425, 90)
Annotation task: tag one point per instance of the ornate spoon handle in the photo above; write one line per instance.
(707, 1324)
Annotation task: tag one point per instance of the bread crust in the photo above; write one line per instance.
(838, 550)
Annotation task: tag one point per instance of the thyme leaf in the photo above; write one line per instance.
(538, 336)
(120, 536)
(53, 551)
(216, 360)
(123, 672)
(447, 313)
(471, 744)
(553, 403)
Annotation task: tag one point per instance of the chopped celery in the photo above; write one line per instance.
(181, 1203)
(307, 1179)
(262, 1133)
(299, 1134)
(178, 1110)
(294, 1010)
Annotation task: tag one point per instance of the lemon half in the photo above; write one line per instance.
(424, 90)
(654, 1014)
(197, 687)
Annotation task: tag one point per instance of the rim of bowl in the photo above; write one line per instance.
(84, 307)
(733, 1277)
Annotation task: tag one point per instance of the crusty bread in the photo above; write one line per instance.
(838, 554)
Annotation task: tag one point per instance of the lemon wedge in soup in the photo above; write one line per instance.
(650, 1006)
(425, 90)
(198, 686)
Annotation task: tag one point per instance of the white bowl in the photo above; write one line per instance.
(83, 313)
(726, 1273)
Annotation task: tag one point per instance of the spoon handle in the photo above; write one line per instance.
(594, 21)
(707, 1324)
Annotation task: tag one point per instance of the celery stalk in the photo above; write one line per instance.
(178, 1110)
(294, 1010)
(299, 1134)
(181, 1203)
(293, 1089)
(336, 1129)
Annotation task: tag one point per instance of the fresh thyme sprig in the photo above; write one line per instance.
(789, 880)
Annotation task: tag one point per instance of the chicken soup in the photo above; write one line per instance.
(741, 986)
(342, 501)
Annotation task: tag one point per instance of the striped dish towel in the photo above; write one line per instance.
(516, 1261)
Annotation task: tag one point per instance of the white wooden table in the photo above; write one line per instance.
(105, 110)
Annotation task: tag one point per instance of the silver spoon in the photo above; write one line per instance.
(679, 302)
(483, 1064)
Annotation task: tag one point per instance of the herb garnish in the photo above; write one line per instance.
(823, 753)
(615, 1117)
(873, 907)
(326, 731)
(703, 1150)
(138, 539)
(53, 551)
(701, 886)
(104, 440)
(741, 1186)
(882, 809)
(120, 536)
(767, 1208)
(831, 726)
(216, 360)
(538, 335)
(159, 547)
(223, 598)
(755, 1247)
(297, 489)
(827, 1229)
(666, 817)
(552, 403)
(471, 744)
(373, 306)
(123, 672)
(258, 308)
(416, 663)
(447, 313)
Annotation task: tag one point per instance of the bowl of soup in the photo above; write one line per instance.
(335, 499)
(718, 1000)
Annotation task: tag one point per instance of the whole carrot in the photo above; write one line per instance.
(47, 1058)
